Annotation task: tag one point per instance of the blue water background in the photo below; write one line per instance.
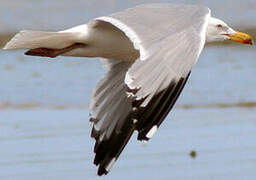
(44, 128)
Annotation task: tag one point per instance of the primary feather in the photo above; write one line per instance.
(149, 52)
(152, 83)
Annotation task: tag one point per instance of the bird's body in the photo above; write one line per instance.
(149, 52)
(104, 40)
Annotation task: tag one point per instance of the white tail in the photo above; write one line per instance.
(28, 39)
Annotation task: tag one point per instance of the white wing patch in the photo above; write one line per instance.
(169, 39)
(152, 132)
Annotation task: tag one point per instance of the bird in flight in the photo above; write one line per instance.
(148, 51)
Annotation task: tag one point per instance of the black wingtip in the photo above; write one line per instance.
(96, 161)
(158, 108)
(142, 136)
(102, 171)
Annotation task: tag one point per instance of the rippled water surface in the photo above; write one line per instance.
(44, 128)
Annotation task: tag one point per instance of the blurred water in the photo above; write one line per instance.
(44, 129)
(54, 144)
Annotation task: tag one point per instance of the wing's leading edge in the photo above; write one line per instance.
(170, 38)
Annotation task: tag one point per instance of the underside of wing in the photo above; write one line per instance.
(111, 115)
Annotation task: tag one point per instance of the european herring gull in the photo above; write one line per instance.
(149, 51)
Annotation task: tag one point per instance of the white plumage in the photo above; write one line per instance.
(149, 51)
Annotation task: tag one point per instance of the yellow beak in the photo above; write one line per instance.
(241, 38)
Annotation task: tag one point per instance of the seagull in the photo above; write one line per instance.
(148, 52)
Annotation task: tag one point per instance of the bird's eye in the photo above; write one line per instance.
(219, 26)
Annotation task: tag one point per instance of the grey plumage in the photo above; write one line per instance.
(148, 51)
(109, 105)
(170, 39)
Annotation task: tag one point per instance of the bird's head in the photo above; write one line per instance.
(219, 31)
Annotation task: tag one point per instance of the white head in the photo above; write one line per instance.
(219, 31)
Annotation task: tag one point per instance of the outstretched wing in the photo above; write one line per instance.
(111, 113)
(170, 39)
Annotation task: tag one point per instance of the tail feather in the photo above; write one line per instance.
(28, 39)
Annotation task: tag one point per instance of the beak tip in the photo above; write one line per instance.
(242, 38)
(249, 42)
